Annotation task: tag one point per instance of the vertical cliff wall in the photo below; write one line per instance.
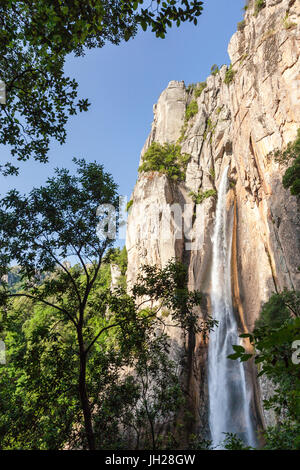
(238, 123)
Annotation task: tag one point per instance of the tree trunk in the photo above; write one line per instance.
(84, 396)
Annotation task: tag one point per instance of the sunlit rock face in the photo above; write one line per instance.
(237, 124)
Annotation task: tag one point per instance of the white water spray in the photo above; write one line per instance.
(229, 402)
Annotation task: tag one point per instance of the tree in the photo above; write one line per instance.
(35, 38)
(58, 221)
(41, 230)
(272, 339)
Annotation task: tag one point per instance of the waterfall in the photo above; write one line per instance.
(229, 402)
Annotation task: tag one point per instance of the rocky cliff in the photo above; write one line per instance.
(243, 115)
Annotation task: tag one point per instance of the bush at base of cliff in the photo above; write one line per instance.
(166, 159)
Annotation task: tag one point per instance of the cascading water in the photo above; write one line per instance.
(229, 403)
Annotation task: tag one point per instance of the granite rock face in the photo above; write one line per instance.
(237, 124)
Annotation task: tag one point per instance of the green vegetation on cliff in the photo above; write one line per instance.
(290, 155)
(229, 76)
(199, 197)
(258, 6)
(166, 159)
(191, 110)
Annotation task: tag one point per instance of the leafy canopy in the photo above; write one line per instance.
(36, 36)
(166, 159)
(56, 221)
(42, 349)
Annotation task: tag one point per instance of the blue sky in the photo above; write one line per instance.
(122, 83)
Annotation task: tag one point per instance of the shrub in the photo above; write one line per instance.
(191, 110)
(259, 5)
(129, 204)
(199, 197)
(214, 70)
(291, 178)
(229, 76)
(212, 173)
(191, 87)
(166, 159)
(200, 87)
(241, 25)
(182, 132)
(288, 24)
(210, 127)
(275, 312)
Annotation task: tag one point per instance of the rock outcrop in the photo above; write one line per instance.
(238, 123)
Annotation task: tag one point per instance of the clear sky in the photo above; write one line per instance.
(122, 83)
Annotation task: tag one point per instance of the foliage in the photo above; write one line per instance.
(39, 232)
(72, 25)
(117, 256)
(182, 132)
(259, 5)
(210, 128)
(35, 38)
(241, 25)
(288, 24)
(169, 288)
(191, 88)
(214, 70)
(291, 178)
(55, 221)
(284, 436)
(41, 352)
(233, 442)
(276, 311)
(39, 99)
(272, 340)
(69, 328)
(200, 197)
(191, 110)
(200, 87)
(212, 173)
(129, 205)
(196, 442)
(166, 159)
(229, 75)
(291, 152)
